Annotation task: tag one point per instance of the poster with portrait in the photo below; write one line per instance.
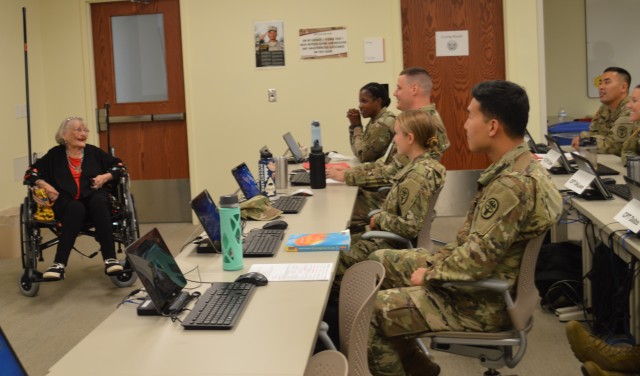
(269, 43)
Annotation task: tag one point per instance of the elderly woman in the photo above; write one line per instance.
(73, 175)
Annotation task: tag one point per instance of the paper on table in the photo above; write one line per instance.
(294, 272)
(339, 157)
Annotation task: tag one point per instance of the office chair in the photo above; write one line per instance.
(358, 291)
(424, 236)
(327, 363)
(496, 350)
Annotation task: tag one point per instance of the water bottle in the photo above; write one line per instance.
(231, 233)
(266, 183)
(633, 167)
(317, 168)
(562, 115)
(315, 134)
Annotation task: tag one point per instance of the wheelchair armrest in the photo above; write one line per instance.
(373, 212)
(405, 243)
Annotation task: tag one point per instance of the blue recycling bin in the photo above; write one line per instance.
(565, 132)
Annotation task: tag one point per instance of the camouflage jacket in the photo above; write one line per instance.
(379, 173)
(516, 201)
(406, 207)
(372, 142)
(611, 128)
(631, 146)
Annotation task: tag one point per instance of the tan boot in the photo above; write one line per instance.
(589, 368)
(414, 361)
(588, 347)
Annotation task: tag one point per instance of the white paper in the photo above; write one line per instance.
(294, 272)
(579, 181)
(373, 50)
(629, 216)
(452, 43)
(335, 157)
(549, 159)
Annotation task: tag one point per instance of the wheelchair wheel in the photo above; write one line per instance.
(125, 279)
(29, 246)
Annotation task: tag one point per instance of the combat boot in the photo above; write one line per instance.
(589, 368)
(588, 347)
(414, 361)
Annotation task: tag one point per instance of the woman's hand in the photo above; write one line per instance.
(417, 278)
(100, 180)
(336, 173)
(354, 116)
(49, 190)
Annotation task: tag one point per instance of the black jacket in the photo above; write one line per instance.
(54, 169)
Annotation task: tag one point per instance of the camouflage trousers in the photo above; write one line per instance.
(366, 201)
(405, 311)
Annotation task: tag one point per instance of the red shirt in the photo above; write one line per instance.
(74, 166)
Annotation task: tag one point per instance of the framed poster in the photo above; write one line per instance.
(269, 43)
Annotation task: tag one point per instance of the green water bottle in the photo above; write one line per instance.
(231, 233)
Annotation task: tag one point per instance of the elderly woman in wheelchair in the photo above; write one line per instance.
(73, 175)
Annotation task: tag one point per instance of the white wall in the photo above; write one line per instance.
(566, 58)
(228, 115)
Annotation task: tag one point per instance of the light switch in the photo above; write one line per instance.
(273, 95)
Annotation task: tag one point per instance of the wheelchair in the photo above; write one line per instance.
(125, 231)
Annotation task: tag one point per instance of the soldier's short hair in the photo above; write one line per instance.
(623, 73)
(419, 76)
(506, 102)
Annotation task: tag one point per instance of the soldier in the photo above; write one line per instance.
(404, 211)
(632, 145)
(611, 125)
(370, 143)
(516, 201)
(600, 358)
(413, 92)
(273, 44)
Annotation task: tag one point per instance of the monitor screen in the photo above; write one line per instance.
(207, 213)
(157, 269)
(245, 180)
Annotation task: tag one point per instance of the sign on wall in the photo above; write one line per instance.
(323, 43)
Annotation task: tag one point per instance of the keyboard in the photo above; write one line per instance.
(220, 306)
(300, 178)
(620, 190)
(290, 204)
(262, 243)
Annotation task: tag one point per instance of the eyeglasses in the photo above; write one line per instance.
(80, 130)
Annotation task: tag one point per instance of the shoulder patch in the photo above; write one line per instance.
(403, 195)
(490, 208)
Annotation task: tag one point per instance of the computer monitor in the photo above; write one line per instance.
(585, 165)
(245, 180)
(157, 269)
(207, 213)
(564, 162)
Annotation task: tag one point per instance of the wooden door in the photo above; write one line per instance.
(454, 76)
(155, 151)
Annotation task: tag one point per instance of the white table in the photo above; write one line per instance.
(274, 336)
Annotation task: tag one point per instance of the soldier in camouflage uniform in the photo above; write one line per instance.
(370, 143)
(516, 201)
(611, 125)
(404, 211)
(632, 145)
(413, 91)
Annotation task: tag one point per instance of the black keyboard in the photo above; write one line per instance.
(300, 178)
(262, 242)
(290, 204)
(620, 190)
(220, 306)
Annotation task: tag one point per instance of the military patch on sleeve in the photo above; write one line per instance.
(622, 132)
(489, 209)
(403, 195)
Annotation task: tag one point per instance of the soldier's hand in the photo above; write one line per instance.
(417, 278)
(372, 223)
(576, 142)
(336, 173)
(354, 116)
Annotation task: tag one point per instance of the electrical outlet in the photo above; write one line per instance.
(273, 95)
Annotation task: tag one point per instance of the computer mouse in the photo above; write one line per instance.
(278, 224)
(253, 278)
(302, 192)
(608, 180)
